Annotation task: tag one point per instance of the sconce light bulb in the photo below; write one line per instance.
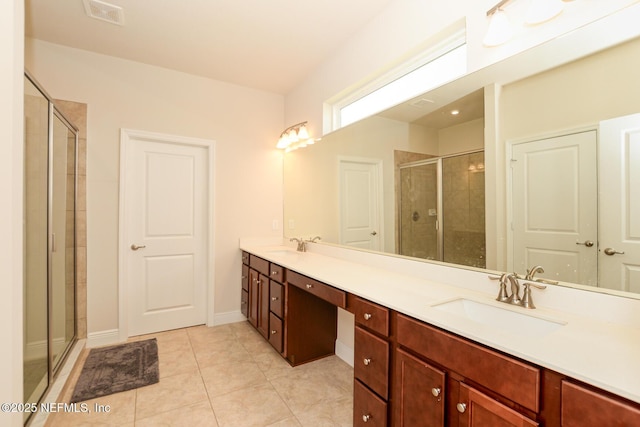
(499, 30)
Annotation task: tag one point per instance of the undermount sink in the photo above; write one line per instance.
(503, 319)
(283, 252)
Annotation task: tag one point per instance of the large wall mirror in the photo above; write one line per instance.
(541, 165)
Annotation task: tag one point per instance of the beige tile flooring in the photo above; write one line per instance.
(224, 376)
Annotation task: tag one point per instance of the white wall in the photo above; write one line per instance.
(11, 147)
(406, 27)
(244, 123)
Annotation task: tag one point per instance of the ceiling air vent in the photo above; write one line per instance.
(422, 102)
(104, 11)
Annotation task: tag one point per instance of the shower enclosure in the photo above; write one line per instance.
(50, 159)
(442, 209)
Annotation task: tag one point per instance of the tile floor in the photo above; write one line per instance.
(224, 376)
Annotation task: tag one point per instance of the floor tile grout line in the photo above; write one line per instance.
(206, 390)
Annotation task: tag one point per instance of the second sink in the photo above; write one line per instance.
(502, 319)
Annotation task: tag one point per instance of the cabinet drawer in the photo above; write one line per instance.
(371, 361)
(515, 380)
(245, 257)
(259, 264)
(319, 289)
(276, 273)
(245, 277)
(276, 303)
(368, 409)
(582, 407)
(372, 316)
(275, 332)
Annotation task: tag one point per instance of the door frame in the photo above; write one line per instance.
(508, 226)
(127, 139)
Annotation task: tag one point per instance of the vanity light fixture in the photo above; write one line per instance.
(294, 137)
(500, 29)
(543, 10)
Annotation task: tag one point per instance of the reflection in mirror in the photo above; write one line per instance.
(570, 99)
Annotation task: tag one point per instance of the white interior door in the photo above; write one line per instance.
(554, 207)
(360, 204)
(619, 251)
(165, 242)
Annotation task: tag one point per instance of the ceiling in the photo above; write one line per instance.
(271, 45)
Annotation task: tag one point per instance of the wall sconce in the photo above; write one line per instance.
(500, 29)
(295, 137)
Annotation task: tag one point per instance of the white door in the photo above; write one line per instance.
(619, 251)
(165, 241)
(554, 207)
(360, 203)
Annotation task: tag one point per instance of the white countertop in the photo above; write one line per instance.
(602, 353)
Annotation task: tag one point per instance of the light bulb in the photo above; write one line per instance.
(499, 30)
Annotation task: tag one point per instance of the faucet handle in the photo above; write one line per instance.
(502, 293)
(527, 302)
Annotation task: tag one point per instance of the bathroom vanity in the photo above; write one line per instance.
(420, 361)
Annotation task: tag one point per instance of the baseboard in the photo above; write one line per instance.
(228, 317)
(100, 338)
(344, 352)
(38, 349)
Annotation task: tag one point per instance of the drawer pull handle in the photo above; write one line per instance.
(436, 391)
(367, 316)
(461, 407)
(309, 286)
(366, 418)
(274, 298)
(244, 277)
(273, 332)
(274, 273)
(367, 361)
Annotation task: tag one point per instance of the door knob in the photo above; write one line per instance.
(374, 233)
(611, 251)
(135, 247)
(587, 243)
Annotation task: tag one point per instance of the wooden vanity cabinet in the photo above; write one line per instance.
(244, 294)
(460, 383)
(311, 325)
(261, 274)
(585, 407)
(371, 363)
(276, 306)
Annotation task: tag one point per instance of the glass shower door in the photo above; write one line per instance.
(63, 189)
(418, 211)
(35, 331)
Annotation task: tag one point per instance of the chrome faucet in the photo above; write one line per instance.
(315, 239)
(302, 245)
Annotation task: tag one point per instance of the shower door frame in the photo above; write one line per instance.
(52, 113)
(439, 198)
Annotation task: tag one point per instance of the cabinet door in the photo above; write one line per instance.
(254, 300)
(582, 407)
(419, 391)
(479, 410)
(263, 305)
